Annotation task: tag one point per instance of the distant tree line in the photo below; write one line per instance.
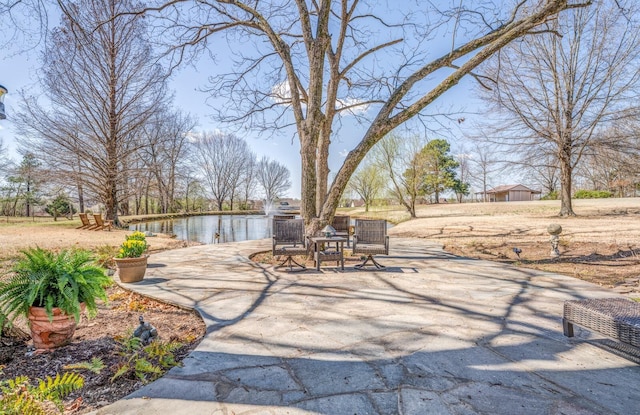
(104, 132)
(195, 181)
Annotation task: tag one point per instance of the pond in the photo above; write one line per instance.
(203, 229)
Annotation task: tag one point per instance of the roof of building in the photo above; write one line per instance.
(507, 187)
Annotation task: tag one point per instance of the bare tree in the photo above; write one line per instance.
(24, 22)
(543, 170)
(274, 178)
(5, 161)
(396, 157)
(312, 63)
(248, 182)
(222, 159)
(166, 153)
(559, 89)
(464, 175)
(367, 182)
(102, 85)
(610, 169)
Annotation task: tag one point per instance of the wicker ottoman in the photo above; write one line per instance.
(616, 318)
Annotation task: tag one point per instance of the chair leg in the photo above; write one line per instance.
(374, 262)
(289, 261)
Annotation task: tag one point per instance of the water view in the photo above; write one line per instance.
(205, 229)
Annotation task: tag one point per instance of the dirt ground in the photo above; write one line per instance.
(101, 336)
(601, 245)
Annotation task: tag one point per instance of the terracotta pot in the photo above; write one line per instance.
(131, 269)
(47, 334)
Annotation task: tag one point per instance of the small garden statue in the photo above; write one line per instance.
(145, 332)
(554, 230)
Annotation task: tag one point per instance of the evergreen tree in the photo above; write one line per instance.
(438, 168)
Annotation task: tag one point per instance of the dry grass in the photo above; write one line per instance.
(601, 244)
(17, 234)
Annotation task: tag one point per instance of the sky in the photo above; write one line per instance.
(19, 71)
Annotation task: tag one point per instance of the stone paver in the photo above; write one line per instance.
(431, 334)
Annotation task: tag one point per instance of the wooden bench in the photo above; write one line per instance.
(616, 318)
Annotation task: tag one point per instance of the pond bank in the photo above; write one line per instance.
(127, 220)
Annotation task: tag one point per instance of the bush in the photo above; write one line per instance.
(60, 206)
(593, 194)
(551, 196)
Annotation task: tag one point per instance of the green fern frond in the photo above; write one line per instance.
(121, 371)
(21, 403)
(95, 365)
(20, 397)
(43, 278)
(147, 371)
(129, 344)
(163, 352)
(10, 385)
(55, 389)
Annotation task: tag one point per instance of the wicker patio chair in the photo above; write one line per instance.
(341, 225)
(370, 238)
(289, 240)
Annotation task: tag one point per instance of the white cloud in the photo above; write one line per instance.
(281, 94)
(357, 105)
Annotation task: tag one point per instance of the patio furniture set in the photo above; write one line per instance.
(616, 318)
(289, 239)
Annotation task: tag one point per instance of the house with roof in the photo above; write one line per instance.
(509, 193)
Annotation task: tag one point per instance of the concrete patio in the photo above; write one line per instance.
(430, 334)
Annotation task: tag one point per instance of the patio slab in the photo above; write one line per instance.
(431, 333)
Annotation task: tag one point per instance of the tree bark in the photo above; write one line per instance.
(566, 175)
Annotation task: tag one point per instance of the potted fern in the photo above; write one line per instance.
(50, 290)
(130, 260)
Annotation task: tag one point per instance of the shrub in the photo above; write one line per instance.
(593, 194)
(550, 196)
(60, 206)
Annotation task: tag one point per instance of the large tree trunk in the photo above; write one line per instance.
(566, 209)
(309, 179)
(80, 195)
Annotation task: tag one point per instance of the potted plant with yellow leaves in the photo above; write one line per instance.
(130, 260)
